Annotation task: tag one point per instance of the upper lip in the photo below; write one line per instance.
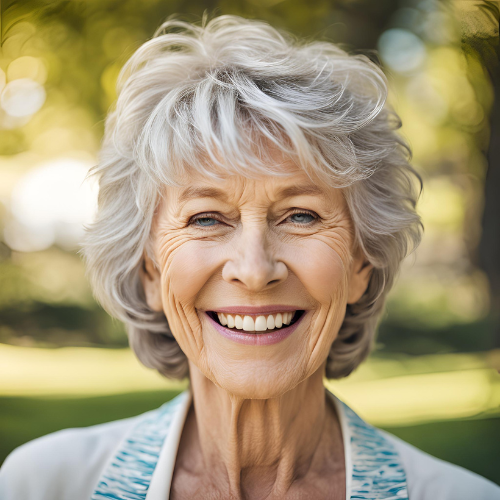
(253, 310)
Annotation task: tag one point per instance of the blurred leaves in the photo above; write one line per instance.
(45, 300)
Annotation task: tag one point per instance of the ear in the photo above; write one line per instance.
(361, 271)
(151, 282)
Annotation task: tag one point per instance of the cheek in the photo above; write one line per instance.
(187, 266)
(320, 269)
(188, 269)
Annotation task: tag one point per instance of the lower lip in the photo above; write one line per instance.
(256, 338)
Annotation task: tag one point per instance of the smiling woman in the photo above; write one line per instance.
(255, 205)
(275, 249)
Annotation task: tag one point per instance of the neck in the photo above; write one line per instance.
(258, 448)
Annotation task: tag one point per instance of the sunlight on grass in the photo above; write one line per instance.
(75, 371)
(407, 390)
(410, 399)
(385, 391)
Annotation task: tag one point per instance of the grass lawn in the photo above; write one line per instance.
(472, 444)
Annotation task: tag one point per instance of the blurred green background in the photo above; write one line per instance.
(433, 379)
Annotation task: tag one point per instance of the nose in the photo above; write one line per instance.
(253, 265)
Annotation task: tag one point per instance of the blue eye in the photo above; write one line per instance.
(302, 218)
(206, 221)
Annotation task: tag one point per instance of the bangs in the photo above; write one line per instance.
(228, 122)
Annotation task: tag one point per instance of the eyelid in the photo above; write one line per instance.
(204, 215)
(303, 211)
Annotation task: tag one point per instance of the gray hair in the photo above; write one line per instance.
(211, 97)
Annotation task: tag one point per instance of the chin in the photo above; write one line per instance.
(261, 372)
(261, 384)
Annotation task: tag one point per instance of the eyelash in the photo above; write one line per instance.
(210, 215)
(207, 215)
(308, 212)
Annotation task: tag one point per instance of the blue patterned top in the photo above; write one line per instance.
(128, 475)
(377, 470)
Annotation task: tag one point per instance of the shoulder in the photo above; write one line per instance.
(429, 478)
(64, 464)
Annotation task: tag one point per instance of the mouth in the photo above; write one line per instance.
(256, 329)
(256, 324)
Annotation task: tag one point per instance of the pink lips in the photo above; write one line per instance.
(241, 337)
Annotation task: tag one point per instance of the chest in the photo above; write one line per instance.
(186, 484)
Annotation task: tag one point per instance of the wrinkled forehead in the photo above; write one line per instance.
(262, 191)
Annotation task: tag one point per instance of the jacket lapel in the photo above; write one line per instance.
(377, 470)
(128, 475)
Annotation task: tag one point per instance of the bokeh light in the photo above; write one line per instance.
(22, 97)
(50, 204)
(27, 67)
(401, 50)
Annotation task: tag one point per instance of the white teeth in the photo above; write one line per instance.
(270, 322)
(278, 321)
(222, 319)
(248, 324)
(258, 324)
(238, 322)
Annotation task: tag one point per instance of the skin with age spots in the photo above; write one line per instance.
(260, 426)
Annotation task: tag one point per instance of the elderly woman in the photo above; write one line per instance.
(255, 205)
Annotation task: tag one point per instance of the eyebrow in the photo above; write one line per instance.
(201, 192)
(210, 192)
(300, 190)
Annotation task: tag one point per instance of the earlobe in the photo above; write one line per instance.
(360, 278)
(151, 282)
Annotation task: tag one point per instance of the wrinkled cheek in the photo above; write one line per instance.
(186, 271)
(322, 271)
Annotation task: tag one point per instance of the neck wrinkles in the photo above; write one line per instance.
(260, 447)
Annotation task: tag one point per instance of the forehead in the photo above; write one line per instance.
(275, 187)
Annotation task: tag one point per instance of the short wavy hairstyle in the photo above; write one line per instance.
(213, 97)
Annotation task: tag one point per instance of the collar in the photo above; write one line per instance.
(142, 466)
